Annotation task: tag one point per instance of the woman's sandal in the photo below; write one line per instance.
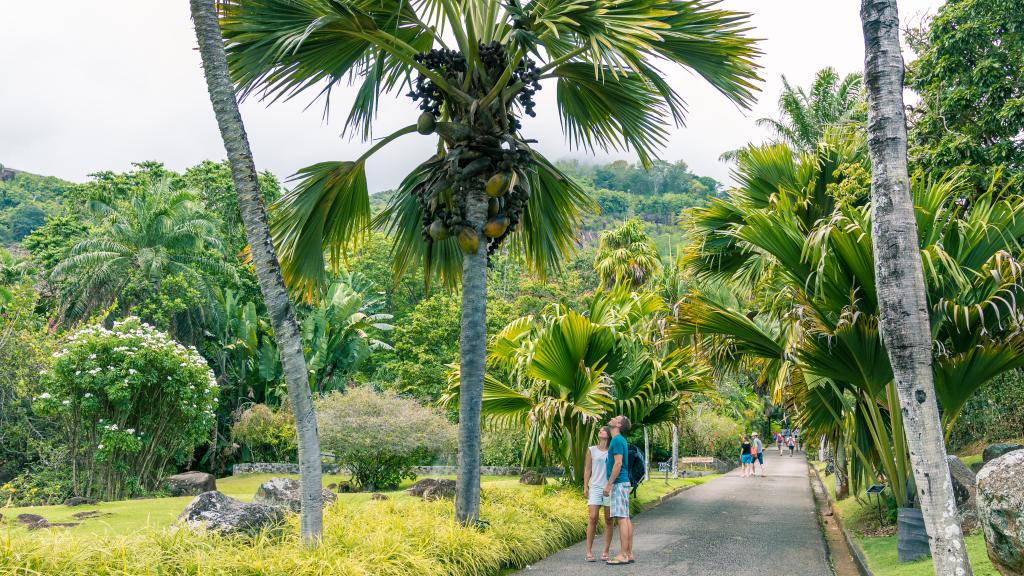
(590, 558)
(604, 557)
(618, 560)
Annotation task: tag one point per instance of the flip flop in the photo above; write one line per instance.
(590, 558)
(604, 557)
(617, 561)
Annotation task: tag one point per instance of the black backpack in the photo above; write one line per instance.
(637, 467)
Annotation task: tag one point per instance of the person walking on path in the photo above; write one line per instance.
(757, 452)
(779, 441)
(791, 442)
(617, 488)
(746, 462)
(596, 471)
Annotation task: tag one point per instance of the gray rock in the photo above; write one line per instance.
(219, 513)
(996, 450)
(32, 521)
(966, 491)
(378, 496)
(286, 493)
(532, 478)
(191, 483)
(79, 501)
(1001, 511)
(433, 489)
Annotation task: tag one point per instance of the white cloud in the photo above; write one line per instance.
(87, 86)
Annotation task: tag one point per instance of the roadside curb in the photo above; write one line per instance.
(851, 544)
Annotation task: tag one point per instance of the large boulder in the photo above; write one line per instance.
(286, 493)
(433, 489)
(532, 478)
(996, 450)
(32, 521)
(966, 492)
(191, 483)
(79, 501)
(217, 512)
(1001, 511)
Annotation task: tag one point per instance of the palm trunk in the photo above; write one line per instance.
(842, 478)
(473, 356)
(902, 301)
(268, 271)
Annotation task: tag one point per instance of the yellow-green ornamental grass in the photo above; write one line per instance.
(398, 537)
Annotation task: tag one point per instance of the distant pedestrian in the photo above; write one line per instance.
(779, 441)
(757, 451)
(791, 442)
(617, 488)
(746, 461)
(796, 439)
(595, 470)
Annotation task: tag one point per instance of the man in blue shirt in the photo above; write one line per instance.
(618, 488)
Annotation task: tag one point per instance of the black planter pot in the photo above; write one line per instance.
(911, 537)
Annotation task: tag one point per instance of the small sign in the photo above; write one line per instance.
(665, 466)
(876, 489)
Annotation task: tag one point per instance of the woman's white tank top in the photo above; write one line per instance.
(598, 470)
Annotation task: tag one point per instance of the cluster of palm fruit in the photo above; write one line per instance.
(484, 153)
(442, 196)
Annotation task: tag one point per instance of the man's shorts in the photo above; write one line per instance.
(620, 500)
(760, 458)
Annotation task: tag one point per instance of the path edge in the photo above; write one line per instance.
(851, 543)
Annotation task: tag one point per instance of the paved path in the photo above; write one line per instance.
(758, 526)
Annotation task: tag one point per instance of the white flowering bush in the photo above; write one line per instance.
(131, 402)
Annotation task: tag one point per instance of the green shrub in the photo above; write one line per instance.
(397, 537)
(130, 402)
(994, 413)
(502, 448)
(380, 437)
(710, 434)
(269, 435)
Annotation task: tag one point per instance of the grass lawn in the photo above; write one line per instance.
(881, 550)
(131, 515)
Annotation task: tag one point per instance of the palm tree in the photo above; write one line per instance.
(626, 254)
(559, 376)
(899, 276)
(804, 116)
(140, 238)
(811, 324)
(473, 67)
(264, 259)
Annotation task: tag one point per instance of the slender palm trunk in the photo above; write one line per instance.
(268, 271)
(842, 477)
(473, 356)
(899, 276)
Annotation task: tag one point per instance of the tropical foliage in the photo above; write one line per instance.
(626, 255)
(810, 324)
(562, 375)
(832, 101)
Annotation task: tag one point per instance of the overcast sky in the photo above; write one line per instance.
(96, 85)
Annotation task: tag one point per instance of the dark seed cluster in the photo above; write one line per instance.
(451, 64)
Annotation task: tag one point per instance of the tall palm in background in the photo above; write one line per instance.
(805, 115)
(626, 254)
(902, 298)
(142, 237)
(473, 67)
(264, 259)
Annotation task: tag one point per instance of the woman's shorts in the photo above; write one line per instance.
(746, 459)
(597, 497)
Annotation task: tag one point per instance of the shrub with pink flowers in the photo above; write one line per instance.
(131, 403)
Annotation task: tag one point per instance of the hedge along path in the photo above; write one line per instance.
(737, 526)
(397, 537)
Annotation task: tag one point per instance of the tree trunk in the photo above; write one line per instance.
(842, 477)
(675, 451)
(264, 258)
(473, 356)
(647, 453)
(904, 322)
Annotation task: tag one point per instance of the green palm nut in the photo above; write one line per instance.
(426, 124)
(497, 185)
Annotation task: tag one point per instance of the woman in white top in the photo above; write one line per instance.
(596, 476)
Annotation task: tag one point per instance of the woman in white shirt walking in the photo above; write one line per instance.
(597, 476)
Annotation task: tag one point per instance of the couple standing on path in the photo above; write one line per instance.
(751, 455)
(608, 485)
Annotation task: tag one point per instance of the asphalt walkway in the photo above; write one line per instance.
(757, 526)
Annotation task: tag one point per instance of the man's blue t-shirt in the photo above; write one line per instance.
(618, 446)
